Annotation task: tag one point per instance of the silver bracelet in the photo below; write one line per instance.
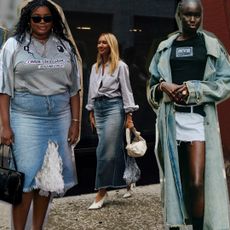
(75, 119)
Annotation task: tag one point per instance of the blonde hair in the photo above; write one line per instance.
(114, 52)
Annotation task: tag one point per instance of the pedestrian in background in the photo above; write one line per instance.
(190, 73)
(40, 106)
(110, 105)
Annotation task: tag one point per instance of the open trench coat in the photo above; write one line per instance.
(214, 88)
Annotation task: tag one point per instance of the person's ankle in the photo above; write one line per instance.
(100, 195)
(130, 186)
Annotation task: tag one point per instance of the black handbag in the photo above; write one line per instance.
(11, 181)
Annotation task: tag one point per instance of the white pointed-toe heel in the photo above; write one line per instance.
(99, 204)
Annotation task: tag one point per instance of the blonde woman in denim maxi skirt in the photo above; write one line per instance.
(111, 103)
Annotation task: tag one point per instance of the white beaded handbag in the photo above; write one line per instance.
(137, 147)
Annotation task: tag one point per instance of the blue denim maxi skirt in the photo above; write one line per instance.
(109, 116)
(35, 121)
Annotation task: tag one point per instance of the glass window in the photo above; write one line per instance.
(139, 28)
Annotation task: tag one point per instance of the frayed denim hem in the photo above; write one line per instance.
(111, 187)
(53, 194)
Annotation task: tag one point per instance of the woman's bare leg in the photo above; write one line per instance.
(20, 211)
(196, 156)
(40, 206)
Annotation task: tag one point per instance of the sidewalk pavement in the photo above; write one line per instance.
(142, 211)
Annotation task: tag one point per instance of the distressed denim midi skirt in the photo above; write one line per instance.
(109, 116)
(36, 121)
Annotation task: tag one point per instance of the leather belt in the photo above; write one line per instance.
(190, 109)
(101, 98)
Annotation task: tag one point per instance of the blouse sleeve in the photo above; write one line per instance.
(126, 90)
(90, 103)
(7, 67)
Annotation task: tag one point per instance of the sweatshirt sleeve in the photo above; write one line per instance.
(7, 67)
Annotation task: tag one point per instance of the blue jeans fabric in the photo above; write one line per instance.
(36, 120)
(110, 116)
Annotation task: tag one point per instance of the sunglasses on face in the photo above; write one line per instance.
(38, 19)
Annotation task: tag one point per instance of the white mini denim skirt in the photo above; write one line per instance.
(189, 127)
(37, 121)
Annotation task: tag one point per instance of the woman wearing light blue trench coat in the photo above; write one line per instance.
(214, 88)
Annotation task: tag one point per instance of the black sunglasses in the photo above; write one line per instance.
(38, 19)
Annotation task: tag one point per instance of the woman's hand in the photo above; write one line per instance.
(182, 93)
(92, 121)
(73, 134)
(129, 121)
(7, 136)
(176, 93)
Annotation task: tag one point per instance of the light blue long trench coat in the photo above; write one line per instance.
(214, 88)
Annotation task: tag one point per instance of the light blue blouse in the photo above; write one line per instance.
(115, 85)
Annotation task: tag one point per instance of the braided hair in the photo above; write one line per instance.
(23, 25)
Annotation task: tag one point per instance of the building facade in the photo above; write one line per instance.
(139, 27)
